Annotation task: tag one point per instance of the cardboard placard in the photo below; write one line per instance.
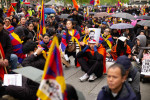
(94, 34)
(146, 65)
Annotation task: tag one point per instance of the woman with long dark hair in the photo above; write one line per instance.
(121, 48)
(70, 41)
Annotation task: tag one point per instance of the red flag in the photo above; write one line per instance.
(2, 56)
(75, 4)
(11, 9)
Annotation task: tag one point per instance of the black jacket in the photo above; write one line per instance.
(6, 43)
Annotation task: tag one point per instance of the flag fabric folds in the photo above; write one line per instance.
(11, 9)
(17, 46)
(10, 28)
(92, 2)
(75, 4)
(53, 85)
(97, 2)
(119, 3)
(42, 21)
(2, 55)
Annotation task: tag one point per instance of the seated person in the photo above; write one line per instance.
(117, 88)
(34, 55)
(106, 40)
(85, 38)
(137, 53)
(27, 92)
(121, 48)
(95, 63)
(46, 40)
(132, 75)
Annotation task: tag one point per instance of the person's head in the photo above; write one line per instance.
(87, 29)
(29, 48)
(30, 26)
(69, 24)
(91, 45)
(25, 12)
(142, 32)
(1, 25)
(141, 40)
(75, 12)
(106, 31)
(7, 21)
(115, 77)
(104, 24)
(122, 41)
(127, 31)
(60, 27)
(71, 92)
(23, 20)
(20, 32)
(46, 38)
(125, 62)
(145, 27)
(35, 21)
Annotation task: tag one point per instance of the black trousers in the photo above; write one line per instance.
(72, 54)
(91, 66)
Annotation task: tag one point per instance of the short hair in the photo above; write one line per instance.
(29, 46)
(1, 21)
(122, 69)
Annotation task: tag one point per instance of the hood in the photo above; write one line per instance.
(142, 39)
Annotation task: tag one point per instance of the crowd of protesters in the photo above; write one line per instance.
(22, 45)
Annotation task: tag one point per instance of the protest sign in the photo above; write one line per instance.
(146, 65)
(94, 34)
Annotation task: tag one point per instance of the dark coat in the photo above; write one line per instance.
(126, 93)
(37, 62)
(6, 43)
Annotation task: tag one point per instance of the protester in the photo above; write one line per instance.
(117, 88)
(8, 25)
(92, 60)
(132, 74)
(121, 48)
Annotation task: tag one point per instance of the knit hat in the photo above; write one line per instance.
(125, 61)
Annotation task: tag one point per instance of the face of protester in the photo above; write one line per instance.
(145, 27)
(127, 31)
(75, 13)
(7, 22)
(142, 33)
(46, 39)
(30, 27)
(91, 45)
(23, 21)
(69, 25)
(1, 27)
(106, 32)
(138, 42)
(14, 20)
(87, 30)
(114, 79)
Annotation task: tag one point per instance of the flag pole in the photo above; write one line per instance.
(4, 66)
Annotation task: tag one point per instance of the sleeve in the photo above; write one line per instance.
(128, 50)
(100, 53)
(63, 42)
(8, 48)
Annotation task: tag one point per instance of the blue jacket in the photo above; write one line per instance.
(126, 93)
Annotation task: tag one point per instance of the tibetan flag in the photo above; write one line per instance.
(119, 3)
(75, 4)
(53, 85)
(11, 9)
(10, 28)
(87, 11)
(97, 2)
(2, 55)
(92, 2)
(17, 46)
(42, 21)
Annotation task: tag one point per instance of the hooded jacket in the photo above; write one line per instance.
(142, 39)
(126, 93)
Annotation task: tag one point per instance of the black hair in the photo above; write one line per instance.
(122, 69)
(29, 46)
(8, 19)
(88, 26)
(29, 23)
(71, 92)
(1, 21)
(45, 47)
(120, 48)
(46, 35)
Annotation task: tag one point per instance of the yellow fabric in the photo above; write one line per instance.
(107, 41)
(108, 10)
(85, 40)
(73, 38)
(61, 82)
(59, 79)
(17, 37)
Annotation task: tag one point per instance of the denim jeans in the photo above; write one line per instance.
(13, 61)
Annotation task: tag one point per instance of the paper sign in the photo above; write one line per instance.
(146, 65)
(94, 34)
(12, 79)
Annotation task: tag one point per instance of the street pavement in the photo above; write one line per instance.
(90, 90)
